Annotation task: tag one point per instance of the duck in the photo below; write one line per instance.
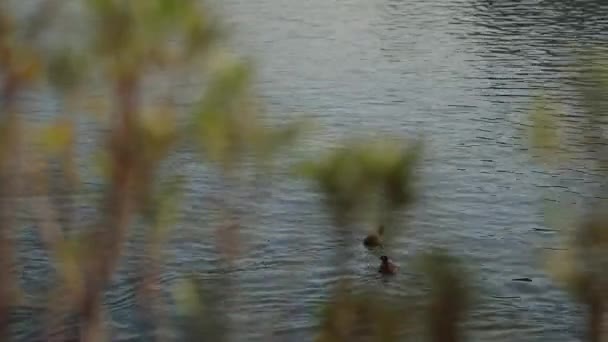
(387, 266)
(374, 239)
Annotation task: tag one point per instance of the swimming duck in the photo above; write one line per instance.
(387, 266)
(374, 239)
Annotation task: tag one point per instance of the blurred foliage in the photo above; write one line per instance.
(65, 70)
(450, 295)
(580, 265)
(364, 175)
(228, 125)
(544, 133)
(200, 310)
(128, 43)
(352, 316)
(135, 35)
(547, 116)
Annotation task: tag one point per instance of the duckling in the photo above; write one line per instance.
(374, 239)
(387, 266)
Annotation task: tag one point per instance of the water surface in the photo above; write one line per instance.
(462, 73)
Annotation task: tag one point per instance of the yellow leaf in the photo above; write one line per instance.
(57, 137)
(159, 123)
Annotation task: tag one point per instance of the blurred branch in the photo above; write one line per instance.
(352, 316)
(449, 297)
(8, 160)
(119, 205)
(581, 267)
(50, 230)
(201, 311)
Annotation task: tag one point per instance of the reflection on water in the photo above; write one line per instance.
(461, 72)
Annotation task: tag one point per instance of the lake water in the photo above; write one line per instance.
(463, 73)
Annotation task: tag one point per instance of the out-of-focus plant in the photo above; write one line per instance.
(581, 265)
(128, 43)
(368, 315)
(20, 67)
(374, 175)
(132, 39)
(364, 181)
(352, 316)
(228, 123)
(232, 135)
(450, 295)
(200, 311)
